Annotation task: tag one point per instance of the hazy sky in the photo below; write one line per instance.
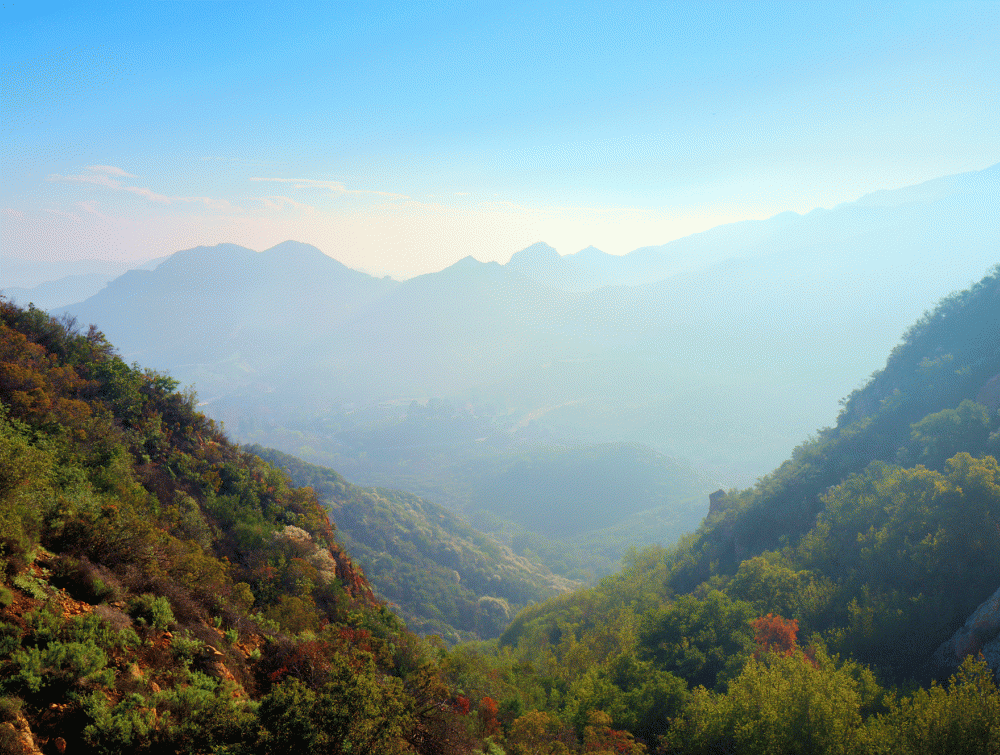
(400, 137)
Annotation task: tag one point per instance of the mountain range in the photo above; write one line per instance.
(723, 348)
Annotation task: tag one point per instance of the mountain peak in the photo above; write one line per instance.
(219, 255)
(589, 254)
(539, 253)
(297, 253)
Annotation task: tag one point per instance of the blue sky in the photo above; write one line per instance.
(399, 138)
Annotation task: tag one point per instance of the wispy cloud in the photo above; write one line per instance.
(149, 194)
(111, 170)
(101, 175)
(334, 187)
(90, 206)
(10, 212)
(87, 178)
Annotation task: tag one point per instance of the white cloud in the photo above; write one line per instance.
(90, 206)
(10, 212)
(101, 177)
(98, 179)
(111, 170)
(149, 194)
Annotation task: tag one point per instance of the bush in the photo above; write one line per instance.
(151, 611)
(84, 581)
(60, 666)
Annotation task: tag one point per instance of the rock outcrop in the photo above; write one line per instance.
(979, 634)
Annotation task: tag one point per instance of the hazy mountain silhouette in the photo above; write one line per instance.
(728, 363)
(223, 315)
(912, 221)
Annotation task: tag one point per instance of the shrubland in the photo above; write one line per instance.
(165, 591)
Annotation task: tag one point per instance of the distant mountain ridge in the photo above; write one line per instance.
(49, 285)
(726, 363)
(910, 218)
(228, 310)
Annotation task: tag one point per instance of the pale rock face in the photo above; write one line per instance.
(321, 558)
(979, 634)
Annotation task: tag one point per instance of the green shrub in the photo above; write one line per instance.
(60, 666)
(186, 648)
(30, 585)
(10, 639)
(90, 627)
(151, 611)
(203, 716)
(125, 728)
(10, 707)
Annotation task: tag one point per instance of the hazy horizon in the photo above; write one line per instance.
(399, 140)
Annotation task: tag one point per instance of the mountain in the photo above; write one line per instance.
(443, 576)
(576, 507)
(221, 316)
(49, 285)
(819, 609)
(164, 591)
(911, 222)
(878, 534)
(725, 363)
(586, 270)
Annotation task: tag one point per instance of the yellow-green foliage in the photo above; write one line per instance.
(114, 489)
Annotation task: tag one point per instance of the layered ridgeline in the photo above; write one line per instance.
(576, 508)
(443, 576)
(869, 559)
(163, 591)
(750, 330)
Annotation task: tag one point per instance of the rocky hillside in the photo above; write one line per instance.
(443, 576)
(163, 591)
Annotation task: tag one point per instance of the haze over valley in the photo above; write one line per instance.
(470, 379)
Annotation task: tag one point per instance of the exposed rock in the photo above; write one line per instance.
(19, 731)
(989, 394)
(979, 634)
(718, 502)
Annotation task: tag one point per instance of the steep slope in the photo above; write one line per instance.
(443, 576)
(879, 537)
(869, 558)
(163, 591)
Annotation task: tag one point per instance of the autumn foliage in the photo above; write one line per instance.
(774, 634)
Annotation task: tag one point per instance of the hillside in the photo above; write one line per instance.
(164, 591)
(806, 612)
(441, 575)
(576, 507)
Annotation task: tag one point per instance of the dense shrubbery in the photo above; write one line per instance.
(443, 576)
(217, 613)
(153, 572)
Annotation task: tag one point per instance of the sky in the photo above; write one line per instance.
(401, 137)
